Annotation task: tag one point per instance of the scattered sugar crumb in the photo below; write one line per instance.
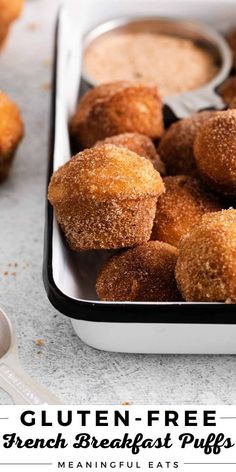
(47, 62)
(40, 342)
(46, 86)
(33, 26)
(228, 300)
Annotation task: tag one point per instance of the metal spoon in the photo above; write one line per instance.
(13, 379)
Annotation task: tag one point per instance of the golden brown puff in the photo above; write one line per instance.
(116, 108)
(206, 267)
(176, 146)
(143, 273)
(215, 152)
(181, 207)
(9, 11)
(11, 132)
(94, 94)
(138, 143)
(231, 38)
(228, 90)
(85, 105)
(105, 197)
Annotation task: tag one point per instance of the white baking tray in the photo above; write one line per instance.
(69, 277)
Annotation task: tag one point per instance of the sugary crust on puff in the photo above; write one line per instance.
(105, 197)
(176, 146)
(106, 172)
(138, 143)
(9, 11)
(107, 225)
(206, 267)
(144, 273)
(215, 152)
(181, 207)
(116, 108)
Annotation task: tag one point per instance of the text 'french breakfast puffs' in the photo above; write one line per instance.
(176, 146)
(9, 12)
(143, 273)
(215, 152)
(206, 266)
(138, 143)
(181, 206)
(11, 133)
(116, 108)
(105, 197)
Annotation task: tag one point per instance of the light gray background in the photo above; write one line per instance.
(72, 370)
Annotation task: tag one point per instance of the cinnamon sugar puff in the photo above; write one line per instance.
(181, 207)
(116, 108)
(215, 152)
(143, 273)
(206, 266)
(176, 145)
(105, 197)
(138, 143)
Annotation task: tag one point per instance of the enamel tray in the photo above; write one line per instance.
(69, 278)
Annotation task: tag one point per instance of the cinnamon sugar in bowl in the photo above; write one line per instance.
(178, 56)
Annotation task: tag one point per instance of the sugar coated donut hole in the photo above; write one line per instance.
(181, 207)
(105, 197)
(138, 143)
(116, 108)
(206, 266)
(176, 145)
(215, 152)
(143, 273)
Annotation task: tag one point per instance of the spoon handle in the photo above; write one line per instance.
(22, 389)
